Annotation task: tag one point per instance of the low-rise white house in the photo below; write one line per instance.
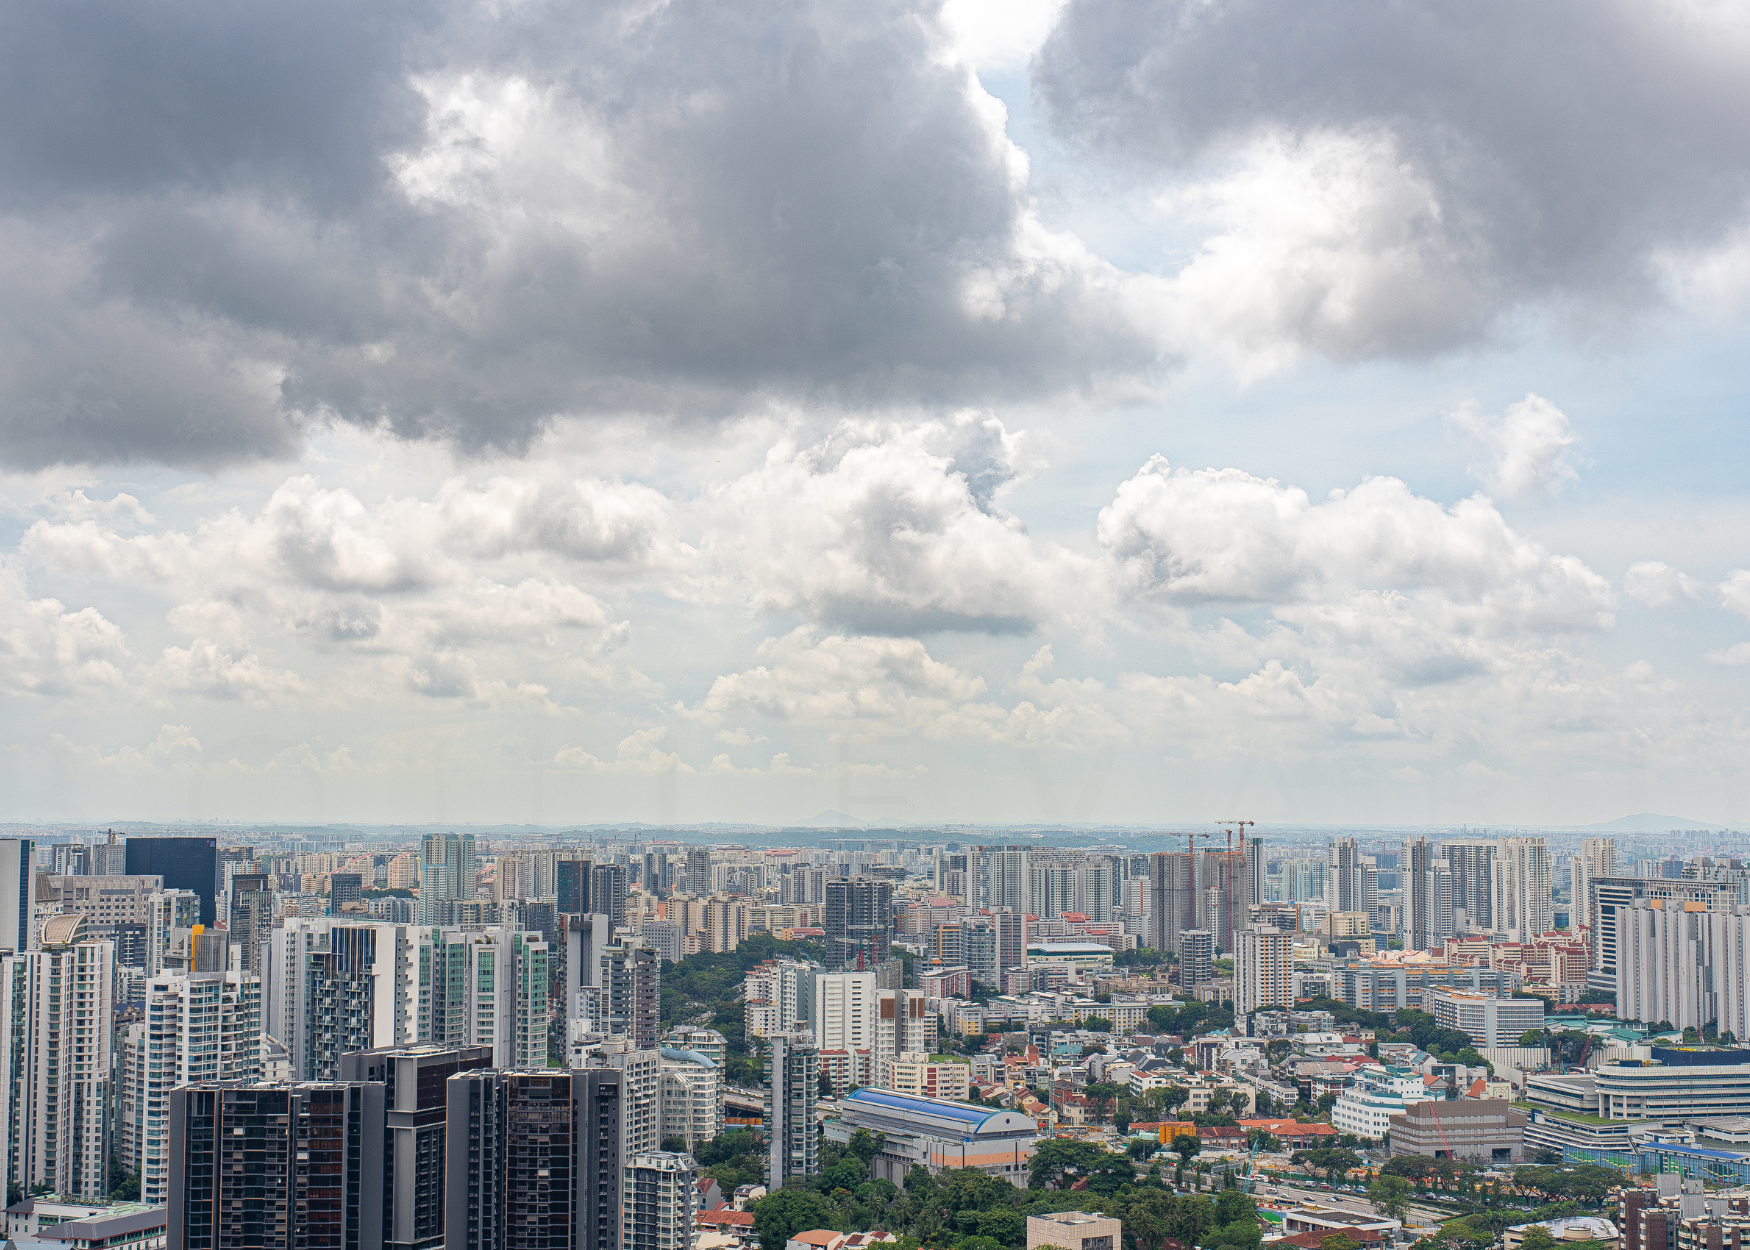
(1378, 1093)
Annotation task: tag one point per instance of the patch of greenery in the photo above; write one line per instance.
(707, 982)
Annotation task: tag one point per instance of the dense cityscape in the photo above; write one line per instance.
(482, 1042)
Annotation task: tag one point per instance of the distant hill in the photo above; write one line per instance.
(1652, 822)
(832, 820)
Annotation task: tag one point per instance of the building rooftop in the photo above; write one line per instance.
(933, 1106)
(100, 1227)
(1573, 1228)
(1070, 1217)
(1071, 948)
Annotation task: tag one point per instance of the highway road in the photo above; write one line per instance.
(1419, 1214)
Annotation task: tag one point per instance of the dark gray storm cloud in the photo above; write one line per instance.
(1567, 144)
(224, 221)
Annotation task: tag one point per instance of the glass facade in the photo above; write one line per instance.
(185, 864)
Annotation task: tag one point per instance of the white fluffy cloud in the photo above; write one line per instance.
(45, 649)
(1324, 242)
(892, 529)
(837, 679)
(638, 752)
(1655, 584)
(1528, 447)
(1223, 536)
(204, 668)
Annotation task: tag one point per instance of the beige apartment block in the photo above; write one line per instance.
(1074, 1230)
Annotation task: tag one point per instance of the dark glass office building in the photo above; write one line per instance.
(533, 1160)
(276, 1167)
(571, 885)
(185, 864)
(414, 1080)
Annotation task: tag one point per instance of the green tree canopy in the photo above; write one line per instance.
(780, 1216)
(1537, 1238)
(1059, 1160)
(1390, 1196)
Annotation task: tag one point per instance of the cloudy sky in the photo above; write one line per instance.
(1120, 410)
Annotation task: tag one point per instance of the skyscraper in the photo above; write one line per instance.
(899, 1026)
(484, 987)
(414, 1133)
(335, 986)
(1256, 868)
(793, 1078)
(1421, 894)
(1306, 880)
(630, 987)
(1263, 969)
(1171, 898)
(200, 1028)
(1052, 889)
(658, 1199)
(997, 877)
(447, 867)
(168, 911)
(1010, 928)
(975, 945)
(1521, 899)
(184, 864)
(346, 893)
(586, 937)
(571, 880)
(1196, 958)
(842, 1010)
(1349, 878)
(17, 894)
(698, 871)
(692, 1096)
(1473, 874)
(1597, 858)
(57, 1049)
(1612, 896)
(607, 892)
(859, 922)
(251, 919)
(533, 1160)
(1097, 897)
(276, 1167)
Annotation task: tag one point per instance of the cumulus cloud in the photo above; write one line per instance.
(811, 679)
(405, 572)
(891, 529)
(1186, 537)
(174, 748)
(1528, 445)
(1655, 584)
(463, 221)
(1394, 180)
(1735, 592)
(205, 669)
(45, 649)
(638, 752)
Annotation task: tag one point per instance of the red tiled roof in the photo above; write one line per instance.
(739, 1219)
(1290, 1128)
